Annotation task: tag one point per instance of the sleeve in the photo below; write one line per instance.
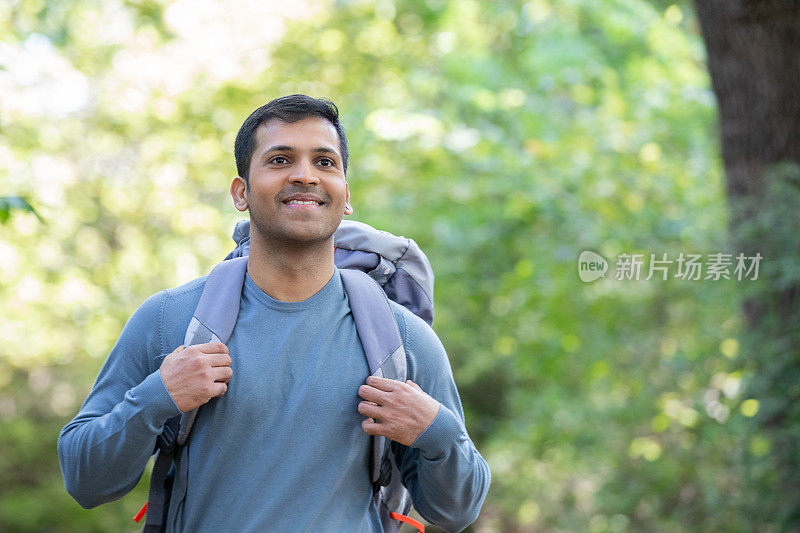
(446, 475)
(104, 450)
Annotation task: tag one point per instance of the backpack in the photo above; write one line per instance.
(375, 265)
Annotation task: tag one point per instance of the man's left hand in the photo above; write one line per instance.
(397, 410)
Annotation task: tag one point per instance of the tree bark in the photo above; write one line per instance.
(754, 61)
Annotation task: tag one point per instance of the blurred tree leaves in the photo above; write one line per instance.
(11, 203)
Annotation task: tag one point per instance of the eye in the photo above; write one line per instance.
(279, 159)
(327, 162)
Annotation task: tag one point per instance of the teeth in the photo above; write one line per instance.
(302, 202)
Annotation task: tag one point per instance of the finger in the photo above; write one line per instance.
(372, 394)
(219, 359)
(178, 349)
(369, 410)
(383, 384)
(221, 373)
(414, 385)
(212, 347)
(220, 388)
(371, 427)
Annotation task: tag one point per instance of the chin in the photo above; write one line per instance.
(310, 237)
(297, 232)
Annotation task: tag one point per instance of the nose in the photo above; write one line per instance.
(304, 174)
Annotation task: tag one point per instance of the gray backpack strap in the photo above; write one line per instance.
(213, 321)
(372, 314)
(383, 346)
(215, 317)
(160, 486)
(393, 498)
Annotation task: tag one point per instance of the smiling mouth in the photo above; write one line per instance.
(303, 202)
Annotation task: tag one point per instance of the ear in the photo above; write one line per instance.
(348, 209)
(239, 193)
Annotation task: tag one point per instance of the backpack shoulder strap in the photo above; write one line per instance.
(215, 317)
(213, 320)
(383, 346)
(372, 314)
(380, 337)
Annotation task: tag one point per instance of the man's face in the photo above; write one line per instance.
(297, 189)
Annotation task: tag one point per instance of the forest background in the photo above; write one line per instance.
(506, 138)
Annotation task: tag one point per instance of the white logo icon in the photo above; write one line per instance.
(591, 266)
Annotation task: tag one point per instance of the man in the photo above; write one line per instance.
(282, 441)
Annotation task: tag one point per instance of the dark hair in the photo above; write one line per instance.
(286, 109)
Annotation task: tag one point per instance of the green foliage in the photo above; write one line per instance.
(11, 203)
(505, 137)
(770, 223)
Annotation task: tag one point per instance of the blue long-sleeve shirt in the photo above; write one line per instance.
(283, 448)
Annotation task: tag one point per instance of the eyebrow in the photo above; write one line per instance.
(284, 148)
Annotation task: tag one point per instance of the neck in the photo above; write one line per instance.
(290, 273)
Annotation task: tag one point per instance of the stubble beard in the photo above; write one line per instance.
(280, 234)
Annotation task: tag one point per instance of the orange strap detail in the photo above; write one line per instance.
(409, 521)
(141, 512)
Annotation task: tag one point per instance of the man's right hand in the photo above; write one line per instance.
(196, 374)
